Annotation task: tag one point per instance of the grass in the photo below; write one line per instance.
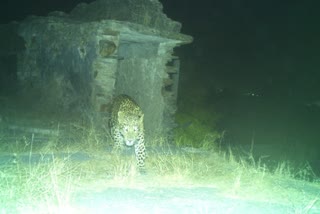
(197, 161)
(25, 187)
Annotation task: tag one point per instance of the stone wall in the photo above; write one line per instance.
(78, 62)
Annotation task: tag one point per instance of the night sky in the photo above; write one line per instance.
(269, 48)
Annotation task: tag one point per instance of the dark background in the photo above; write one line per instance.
(256, 63)
(245, 44)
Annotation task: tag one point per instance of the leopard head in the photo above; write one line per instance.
(131, 126)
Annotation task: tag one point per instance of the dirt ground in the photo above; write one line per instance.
(176, 200)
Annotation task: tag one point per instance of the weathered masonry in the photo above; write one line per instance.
(81, 60)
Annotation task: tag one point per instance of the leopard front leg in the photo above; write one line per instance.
(118, 139)
(140, 152)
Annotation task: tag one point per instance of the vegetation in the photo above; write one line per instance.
(42, 177)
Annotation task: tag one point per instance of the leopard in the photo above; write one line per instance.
(127, 127)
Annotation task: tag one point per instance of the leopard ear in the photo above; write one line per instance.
(120, 115)
(141, 117)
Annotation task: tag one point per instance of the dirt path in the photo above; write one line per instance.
(177, 200)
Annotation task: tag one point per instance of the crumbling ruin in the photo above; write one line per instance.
(78, 62)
